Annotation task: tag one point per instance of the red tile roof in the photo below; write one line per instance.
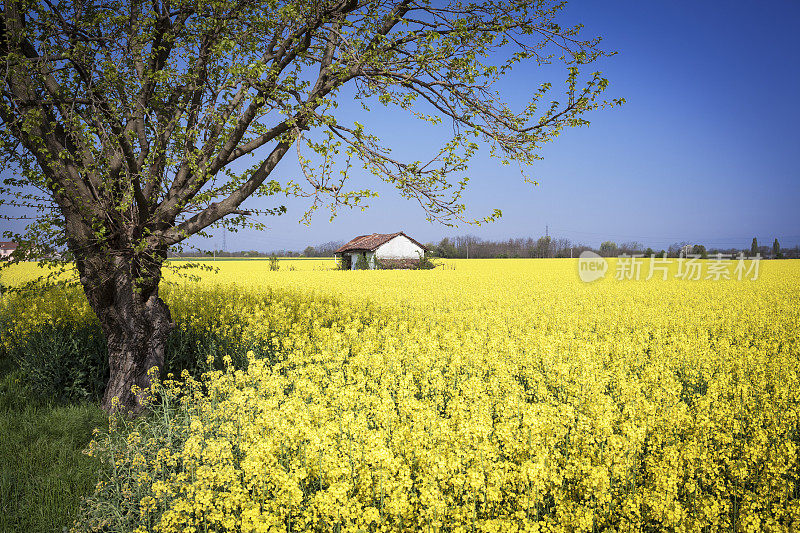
(371, 242)
(8, 246)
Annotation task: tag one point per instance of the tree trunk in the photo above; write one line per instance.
(136, 331)
(123, 292)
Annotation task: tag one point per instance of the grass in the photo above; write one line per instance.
(43, 472)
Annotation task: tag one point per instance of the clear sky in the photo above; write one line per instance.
(705, 150)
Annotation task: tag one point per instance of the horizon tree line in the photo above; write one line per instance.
(472, 247)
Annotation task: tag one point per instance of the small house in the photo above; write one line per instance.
(6, 249)
(392, 250)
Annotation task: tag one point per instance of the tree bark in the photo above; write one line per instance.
(123, 292)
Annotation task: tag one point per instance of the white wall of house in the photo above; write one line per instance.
(401, 247)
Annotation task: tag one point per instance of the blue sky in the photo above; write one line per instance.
(705, 149)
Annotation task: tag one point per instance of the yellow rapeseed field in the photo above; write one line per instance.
(484, 395)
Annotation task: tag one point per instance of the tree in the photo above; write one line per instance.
(631, 247)
(700, 250)
(446, 249)
(776, 249)
(677, 249)
(754, 247)
(563, 247)
(126, 123)
(543, 246)
(608, 248)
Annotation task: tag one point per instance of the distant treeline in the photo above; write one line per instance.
(246, 254)
(469, 246)
(321, 250)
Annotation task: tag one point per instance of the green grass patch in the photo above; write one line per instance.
(43, 472)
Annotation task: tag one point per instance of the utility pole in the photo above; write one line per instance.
(546, 230)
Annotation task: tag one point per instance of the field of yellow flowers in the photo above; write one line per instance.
(484, 395)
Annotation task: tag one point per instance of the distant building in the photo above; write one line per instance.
(6, 249)
(394, 250)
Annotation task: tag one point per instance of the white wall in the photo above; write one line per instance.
(401, 247)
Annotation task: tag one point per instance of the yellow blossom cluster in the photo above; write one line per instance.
(496, 395)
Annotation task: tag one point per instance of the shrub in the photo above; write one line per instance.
(68, 362)
(362, 263)
(64, 362)
(138, 456)
(426, 262)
